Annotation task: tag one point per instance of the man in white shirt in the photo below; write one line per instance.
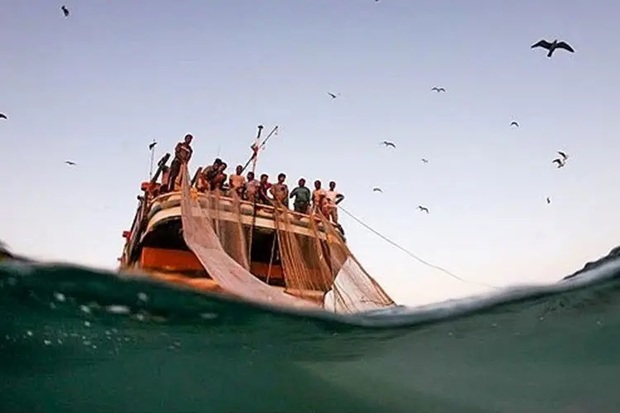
(333, 198)
(317, 196)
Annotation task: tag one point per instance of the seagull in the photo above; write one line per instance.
(423, 209)
(65, 11)
(388, 143)
(548, 200)
(377, 189)
(332, 95)
(514, 123)
(560, 162)
(563, 155)
(438, 89)
(152, 145)
(3, 116)
(552, 46)
(70, 163)
(424, 160)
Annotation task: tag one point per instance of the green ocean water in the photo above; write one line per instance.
(77, 340)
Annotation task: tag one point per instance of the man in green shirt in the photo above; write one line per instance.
(302, 197)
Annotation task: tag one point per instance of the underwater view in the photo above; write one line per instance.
(79, 340)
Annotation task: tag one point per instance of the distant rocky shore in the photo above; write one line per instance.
(613, 254)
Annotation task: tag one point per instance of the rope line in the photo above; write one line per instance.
(406, 251)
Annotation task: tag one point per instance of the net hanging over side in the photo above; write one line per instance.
(201, 238)
(323, 262)
(230, 232)
(303, 259)
(318, 268)
(353, 289)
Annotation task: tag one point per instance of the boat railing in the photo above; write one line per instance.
(269, 209)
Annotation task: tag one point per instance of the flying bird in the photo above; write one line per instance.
(514, 123)
(70, 163)
(424, 160)
(438, 89)
(376, 189)
(563, 155)
(559, 162)
(65, 11)
(388, 143)
(152, 145)
(548, 200)
(3, 116)
(553, 46)
(423, 209)
(332, 95)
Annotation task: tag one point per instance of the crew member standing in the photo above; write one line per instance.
(302, 197)
(182, 155)
(333, 199)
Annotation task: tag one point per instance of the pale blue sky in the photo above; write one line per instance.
(99, 86)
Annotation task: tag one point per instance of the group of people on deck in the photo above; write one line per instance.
(260, 191)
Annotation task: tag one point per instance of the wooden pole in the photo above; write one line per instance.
(257, 147)
(152, 148)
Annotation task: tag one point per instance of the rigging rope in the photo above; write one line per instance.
(406, 251)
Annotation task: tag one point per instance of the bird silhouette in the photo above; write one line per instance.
(388, 143)
(559, 162)
(424, 160)
(514, 123)
(332, 95)
(548, 200)
(65, 11)
(423, 209)
(438, 89)
(3, 116)
(551, 47)
(377, 189)
(70, 163)
(152, 145)
(563, 155)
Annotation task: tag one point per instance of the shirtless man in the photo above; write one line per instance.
(279, 191)
(251, 188)
(333, 199)
(317, 196)
(302, 197)
(236, 181)
(263, 190)
(219, 179)
(211, 171)
(208, 175)
(182, 154)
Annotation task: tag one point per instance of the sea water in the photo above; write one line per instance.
(73, 339)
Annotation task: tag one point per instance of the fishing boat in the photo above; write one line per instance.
(216, 242)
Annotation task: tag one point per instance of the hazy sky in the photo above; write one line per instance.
(98, 86)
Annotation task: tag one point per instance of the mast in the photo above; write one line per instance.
(253, 159)
(257, 146)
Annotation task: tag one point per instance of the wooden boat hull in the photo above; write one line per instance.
(155, 245)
